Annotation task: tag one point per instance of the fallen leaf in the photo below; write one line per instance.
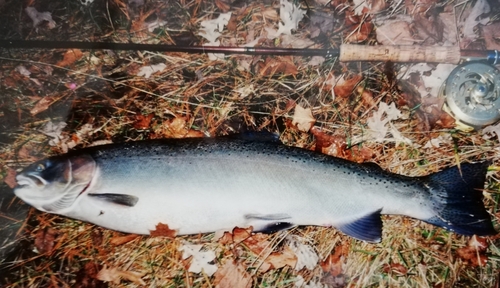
(446, 120)
(201, 261)
(240, 234)
(42, 105)
(277, 260)
(45, 240)
(39, 17)
(282, 65)
(222, 5)
(306, 256)
(290, 16)
(303, 118)
(178, 128)
(379, 123)
(358, 28)
(120, 240)
(324, 141)
(23, 71)
(488, 131)
(377, 5)
(70, 57)
(344, 87)
(257, 243)
(147, 71)
(115, 275)
(232, 275)
(96, 236)
(163, 230)
(395, 268)
(366, 97)
(226, 238)
(475, 251)
(86, 277)
(395, 33)
(10, 178)
(232, 25)
(143, 121)
(481, 7)
(491, 35)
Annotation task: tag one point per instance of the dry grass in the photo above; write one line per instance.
(113, 100)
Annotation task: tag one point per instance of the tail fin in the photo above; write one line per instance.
(458, 200)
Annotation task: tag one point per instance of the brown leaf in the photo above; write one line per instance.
(446, 120)
(222, 5)
(115, 275)
(177, 128)
(10, 178)
(282, 65)
(474, 252)
(232, 25)
(86, 277)
(227, 238)
(240, 234)
(324, 142)
(333, 263)
(70, 57)
(257, 243)
(279, 260)
(42, 105)
(143, 121)
(232, 275)
(45, 240)
(358, 154)
(366, 97)
(344, 87)
(163, 230)
(395, 268)
(377, 5)
(358, 28)
(26, 153)
(120, 240)
(96, 236)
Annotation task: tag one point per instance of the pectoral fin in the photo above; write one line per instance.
(367, 228)
(121, 199)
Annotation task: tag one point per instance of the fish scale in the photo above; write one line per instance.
(207, 184)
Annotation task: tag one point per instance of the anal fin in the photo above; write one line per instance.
(367, 228)
(121, 199)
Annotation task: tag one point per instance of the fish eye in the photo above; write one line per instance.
(40, 167)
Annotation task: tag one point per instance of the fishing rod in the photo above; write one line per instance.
(345, 53)
(472, 90)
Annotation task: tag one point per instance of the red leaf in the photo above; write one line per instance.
(142, 122)
(163, 230)
(45, 240)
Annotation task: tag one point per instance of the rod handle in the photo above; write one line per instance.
(400, 53)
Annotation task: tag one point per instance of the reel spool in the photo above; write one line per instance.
(472, 94)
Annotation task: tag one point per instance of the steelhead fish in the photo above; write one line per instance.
(205, 185)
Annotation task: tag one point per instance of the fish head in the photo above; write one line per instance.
(54, 183)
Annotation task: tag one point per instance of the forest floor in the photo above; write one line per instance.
(54, 100)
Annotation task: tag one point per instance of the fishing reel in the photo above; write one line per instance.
(472, 93)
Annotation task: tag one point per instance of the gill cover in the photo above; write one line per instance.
(53, 184)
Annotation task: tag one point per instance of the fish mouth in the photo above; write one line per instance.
(24, 181)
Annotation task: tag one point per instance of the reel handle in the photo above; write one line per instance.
(400, 53)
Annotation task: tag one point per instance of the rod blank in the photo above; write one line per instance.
(347, 52)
